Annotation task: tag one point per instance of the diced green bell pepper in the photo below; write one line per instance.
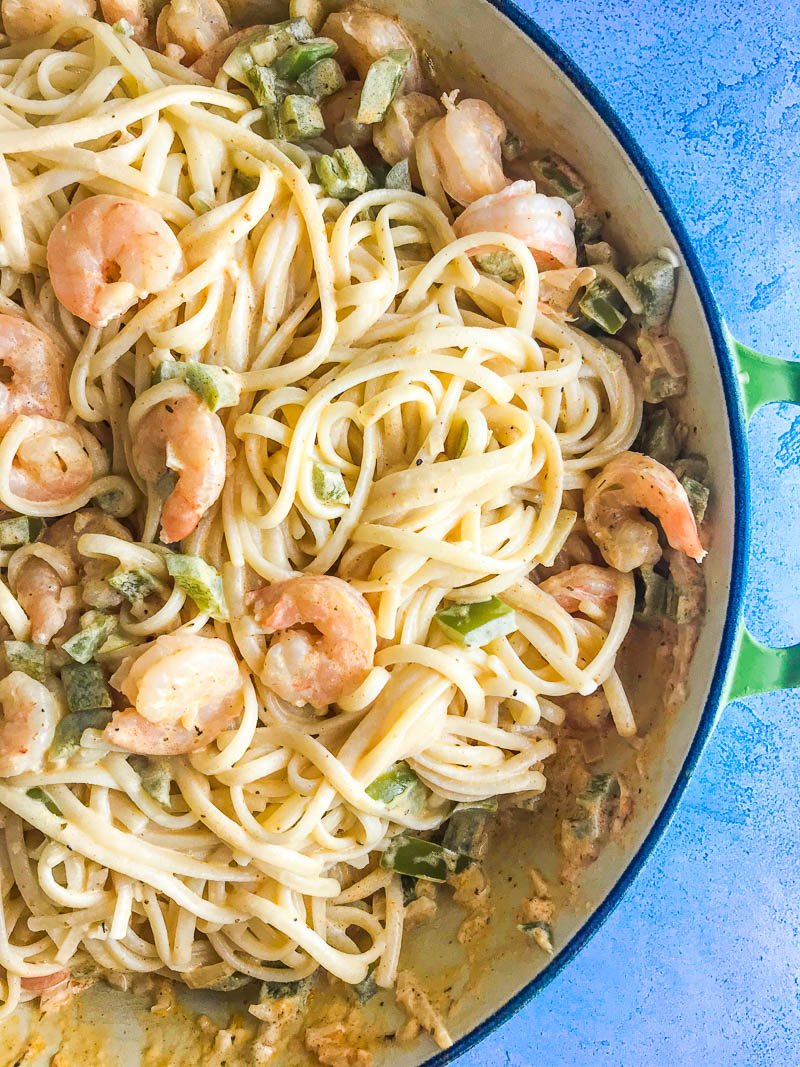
(399, 177)
(501, 263)
(549, 173)
(328, 484)
(70, 729)
(343, 175)
(322, 80)
(135, 585)
(601, 303)
(390, 785)
(19, 530)
(381, 84)
(511, 148)
(87, 642)
(477, 623)
(654, 284)
(36, 793)
(27, 657)
(217, 386)
(300, 119)
(85, 687)
(698, 495)
(155, 777)
(651, 599)
(659, 437)
(422, 859)
(466, 828)
(587, 229)
(299, 58)
(200, 581)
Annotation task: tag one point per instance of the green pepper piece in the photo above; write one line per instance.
(660, 439)
(477, 623)
(135, 585)
(597, 802)
(422, 859)
(44, 798)
(342, 175)
(217, 386)
(588, 228)
(399, 177)
(123, 28)
(541, 933)
(601, 303)
(390, 785)
(155, 777)
(299, 58)
(69, 731)
(300, 119)
(698, 495)
(382, 81)
(85, 644)
(322, 80)
(367, 988)
(501, 263)
(19, 530)
(284, 990)
(463, 438)
(247, 183)
(85, 687)
(654, 284)
(27, 657)
(550, 173)
(328, 484)
(651, 598)
(466, 831)
(200, 581)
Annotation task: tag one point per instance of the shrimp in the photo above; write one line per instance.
(544, 223)
(182, 435)
(307, 667)
(45, 982)
(133, 11)
(394, 135)
(40, 589)
(466, 144)
(611, 501)
(193, 26)
(108, 252)
(583, 587)
(339, 114)
(51, 463)
(364, 35)
(28, 724)
(185, 689)
(29, 18)
(35, 373)
(210, 63)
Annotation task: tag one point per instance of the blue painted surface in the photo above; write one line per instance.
(701, 961)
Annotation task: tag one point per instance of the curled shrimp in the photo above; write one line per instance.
(108, 252)
(30, 714)
(466, 144)
(185, 690)
(394, 135)
(364, 35)
(192, 26)
(29, 18)
(612, 500)
(544, 223)
(184, 436)
(36, 372)
(40, 588)
(584, 588)
(51, 463)
(307, 667)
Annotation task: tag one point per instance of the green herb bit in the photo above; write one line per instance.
(217, 386)
(552, 173)
(284, 990)
(463, 438)
(123, 28)
(328, 484)
(342, 175)
(390, 785)
(135, 585)
(114, 502)
(322, 80)
(86, 643)
(27, 657)
(660, 437)
(85, 687)
(651, 598)
(44, 798)
(382, 81)
(300, 57)
(541, 933)
(587, 229)
(155, 777)
(300, 119)
(477, 623)
(70, 730)
(19, 530)
(654, 284)
(502, 264)
(399, 177)
(601, 303)
(200, 581)
(422, 859)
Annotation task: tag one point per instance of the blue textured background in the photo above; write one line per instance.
(700, 963)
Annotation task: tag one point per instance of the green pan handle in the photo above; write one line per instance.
(757, 668)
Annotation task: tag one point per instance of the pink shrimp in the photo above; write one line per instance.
(45, 982)
(466, 144)
(304, 666)
(544, 223)
(185, 689)
(584, 584)
(190, 28)
(108, 252)
(364, 35)
(51, 462)
(611, 507)
(36, 373)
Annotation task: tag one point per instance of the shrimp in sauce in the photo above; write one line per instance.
(546, 224)
(29, 18)
(394, 135)
(364, 35)
(467, 146)
(107, 253)
(51, 463)
(35, 373)
(134, 13)
(184, 436)
(583, 587)
(30, 714)
(612, 500)
(187, 29)
(184, 690)
(304, 666)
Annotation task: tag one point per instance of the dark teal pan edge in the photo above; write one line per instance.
(741, 536)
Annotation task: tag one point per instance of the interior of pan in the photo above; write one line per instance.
(478, 48)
